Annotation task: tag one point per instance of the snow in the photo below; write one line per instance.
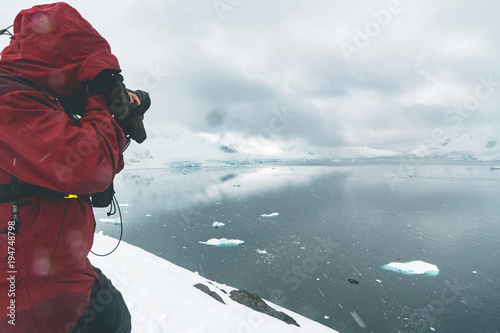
(412, 268)
(358, 319)
(161, 297)
(270, 215)
(223, 242)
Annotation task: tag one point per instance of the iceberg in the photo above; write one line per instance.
(218, 224)
(270, 215)
(110, 220)
(223, 242)
(412, 268)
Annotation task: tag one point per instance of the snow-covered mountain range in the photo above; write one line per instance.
(180, 147)
(481, 144)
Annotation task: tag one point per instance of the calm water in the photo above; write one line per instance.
(335, 222)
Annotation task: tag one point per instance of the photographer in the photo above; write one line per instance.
(65, 119)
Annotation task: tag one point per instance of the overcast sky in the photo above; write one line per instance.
(387, 74)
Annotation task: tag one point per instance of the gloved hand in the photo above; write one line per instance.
(110, 85)
(132, 125)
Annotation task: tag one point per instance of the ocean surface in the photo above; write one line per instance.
(335, 221)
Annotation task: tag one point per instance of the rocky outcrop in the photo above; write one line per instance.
(249, 299)
(256, 303)
(210, 293)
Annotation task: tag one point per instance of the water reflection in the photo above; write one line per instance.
(181, 189)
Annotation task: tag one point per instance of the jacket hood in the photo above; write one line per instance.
(56, 47)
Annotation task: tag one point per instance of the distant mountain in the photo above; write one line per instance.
(481, 144)
(182, 148)
(178, 147)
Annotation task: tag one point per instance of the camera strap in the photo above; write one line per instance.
(15, 192)
(7, 32)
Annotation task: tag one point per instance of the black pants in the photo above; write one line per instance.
(106, 312)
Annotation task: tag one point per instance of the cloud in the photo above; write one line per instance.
(235, 67)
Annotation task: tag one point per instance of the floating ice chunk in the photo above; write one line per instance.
(223, 242)
(108, 220)
(474, 272)
(412, 268)
(270, 215)
(218, 224)
(495, 168)
(124, 205)
(261, 251)
(148, 215)
(379, 281)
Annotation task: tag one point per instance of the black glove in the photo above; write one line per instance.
(110, 85)
(132, 125)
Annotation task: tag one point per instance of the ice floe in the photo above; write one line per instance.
(218, 224)
(270, 215)
(223, 242)
(413, 268)
(109, 220)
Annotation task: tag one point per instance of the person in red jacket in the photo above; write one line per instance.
(57, 65)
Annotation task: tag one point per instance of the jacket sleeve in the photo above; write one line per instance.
(40, 144)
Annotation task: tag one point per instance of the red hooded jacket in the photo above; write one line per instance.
(57, 51)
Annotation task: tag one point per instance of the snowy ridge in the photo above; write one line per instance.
(480, 144)
(162, 298)
(180, 148)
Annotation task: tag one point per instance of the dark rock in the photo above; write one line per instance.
(253, 301)
(228, 149)
(210, 293)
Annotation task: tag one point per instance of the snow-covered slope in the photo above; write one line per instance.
(161, 297)
(481, 144)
